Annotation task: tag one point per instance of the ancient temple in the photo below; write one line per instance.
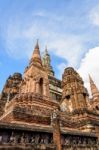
(40, 112)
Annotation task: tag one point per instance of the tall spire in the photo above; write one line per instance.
(94, 89)
(46, 51)
(47, 63)
(36, 58)
(37, 45)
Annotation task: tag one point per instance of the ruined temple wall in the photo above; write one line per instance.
(40, 140)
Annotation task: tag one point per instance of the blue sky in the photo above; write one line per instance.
(69, 28)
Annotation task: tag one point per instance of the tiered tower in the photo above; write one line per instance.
(94, 89)
(74, 92)
(33, 97)
(95, 95)
(36, 57)
(35, 79)
(11, 88)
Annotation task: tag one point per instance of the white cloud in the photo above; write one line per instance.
(90, 65)
(19, 41)
(94, 15)
(69, 47)
(39, 14)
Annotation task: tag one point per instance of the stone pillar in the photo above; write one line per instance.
(56, 129)
(33, 87)
(37, 87)
(47, 89)
(44, 90)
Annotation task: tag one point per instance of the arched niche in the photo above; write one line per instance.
(41, 82)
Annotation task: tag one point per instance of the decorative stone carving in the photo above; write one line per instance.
(74, 93)
(0, 139)
(12, 138)
(22, 139)
(11, 88)
(55, 115)
(31, 109)
(37, 138)
(33, 140)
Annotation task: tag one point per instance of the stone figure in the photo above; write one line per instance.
(37, 138)
(0, 138)
(12, 138)
(33, 140)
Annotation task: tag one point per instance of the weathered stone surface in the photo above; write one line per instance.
(40, 112)
(74, 92)
(10, 89)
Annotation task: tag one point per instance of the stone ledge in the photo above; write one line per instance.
(28, 147)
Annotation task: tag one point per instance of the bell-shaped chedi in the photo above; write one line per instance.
(74, 93)
(94, 89)
(36, 58)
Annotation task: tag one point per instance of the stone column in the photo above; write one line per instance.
(44, 89)
(56, 129)
(33, 87)
(37, 87)
(47, 90)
